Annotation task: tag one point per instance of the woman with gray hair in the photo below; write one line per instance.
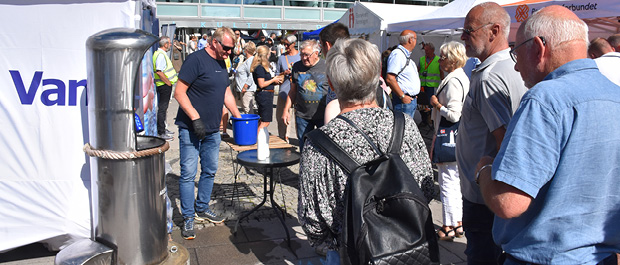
(447, 105)
(353, 67)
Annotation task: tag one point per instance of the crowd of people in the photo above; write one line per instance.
(529, 183)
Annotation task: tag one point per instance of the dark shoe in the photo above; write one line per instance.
(444, 235)
(459, 231)
(187, 231)
(209, 216)
(166, 137)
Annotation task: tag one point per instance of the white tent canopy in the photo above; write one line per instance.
(451, 16)
(370, 20)
(601, 15)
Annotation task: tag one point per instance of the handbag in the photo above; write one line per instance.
(444, 145)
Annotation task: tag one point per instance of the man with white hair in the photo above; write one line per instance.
(308, 90)
(494, 94)
(402, 75)
(550, 184)
(165, 76)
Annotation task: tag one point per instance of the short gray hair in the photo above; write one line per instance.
(353, 67)
(291, 38)
(405, 38)
(555, 30)
(493, 13)
(311, 43)
(455, 53)
(163, 40)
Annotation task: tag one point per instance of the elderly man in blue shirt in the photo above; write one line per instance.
(550, 185)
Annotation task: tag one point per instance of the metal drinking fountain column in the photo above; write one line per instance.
(127, 170)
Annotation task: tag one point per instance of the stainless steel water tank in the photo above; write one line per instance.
(130, 202)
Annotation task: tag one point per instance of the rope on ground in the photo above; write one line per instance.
(116, 155)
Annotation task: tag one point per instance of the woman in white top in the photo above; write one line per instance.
(448, 104)
(192, 44)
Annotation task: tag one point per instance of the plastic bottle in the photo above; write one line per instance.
(262, 151)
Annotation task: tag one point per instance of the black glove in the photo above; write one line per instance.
(199, 129)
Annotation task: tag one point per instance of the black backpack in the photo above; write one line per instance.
(387, 219)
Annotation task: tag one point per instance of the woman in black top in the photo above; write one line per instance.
(264, 85)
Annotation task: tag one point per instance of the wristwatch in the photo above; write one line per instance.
(403, 96)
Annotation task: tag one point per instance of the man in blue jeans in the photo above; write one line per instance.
(202, 90)
(403, 76)
(308, 91)
(494, 94)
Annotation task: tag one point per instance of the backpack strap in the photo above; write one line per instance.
(342, 158)
(332, 150)
(406, 64)
(398, 132)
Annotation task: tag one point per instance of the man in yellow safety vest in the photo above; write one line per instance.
(165, 77)
(430, 77)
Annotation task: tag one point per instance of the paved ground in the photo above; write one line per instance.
(260, 238)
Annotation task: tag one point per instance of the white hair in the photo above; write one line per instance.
(311, 43)
(353, 67)
(556, 30)
(405, 38)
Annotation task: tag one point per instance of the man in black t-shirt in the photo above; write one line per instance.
(202, 90)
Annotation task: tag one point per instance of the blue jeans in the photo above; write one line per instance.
(477, 224)
(332, 258)
(190, 149)
(405, 108)
(305, 126)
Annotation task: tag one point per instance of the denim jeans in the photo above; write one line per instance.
(190, 150)
(477, 224)
(332, 258)
(405, 108)
(304, 126)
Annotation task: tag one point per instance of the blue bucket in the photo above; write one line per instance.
(245, 129)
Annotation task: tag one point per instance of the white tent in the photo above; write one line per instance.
(451, 16)
(601, 15)
(370, 20)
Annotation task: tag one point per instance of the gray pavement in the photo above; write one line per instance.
(260, 238)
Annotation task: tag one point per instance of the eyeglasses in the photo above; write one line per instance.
(443, 58)
(306, 55)
(225, 48)
(513, 52)
(470, 31)
(286, 43)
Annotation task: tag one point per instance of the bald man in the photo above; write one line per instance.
(614, 40)
(550, 184)
(606, 58)
(494, 94)
(402, 75)
(598, 47)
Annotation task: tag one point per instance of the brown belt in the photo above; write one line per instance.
(266, 90)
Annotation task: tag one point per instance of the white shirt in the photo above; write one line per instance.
(608, 64)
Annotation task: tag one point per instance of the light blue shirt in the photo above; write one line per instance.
(562, 148)
(470, 65)
(202, 43)
(408, 79)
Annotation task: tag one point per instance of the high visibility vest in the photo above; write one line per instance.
(429, 74)
(170, 73)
